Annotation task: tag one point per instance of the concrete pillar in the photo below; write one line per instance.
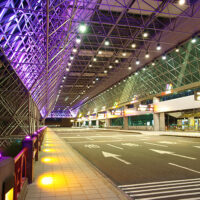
(156, 123)
(125, 123)
(90, 123)
(162, 121)
(97, 123)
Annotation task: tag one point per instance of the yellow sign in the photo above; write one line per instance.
(9, 195)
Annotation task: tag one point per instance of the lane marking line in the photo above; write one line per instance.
(161, 188)
(160, 182)
(115, 146)
(198, 172)
(160, 145)
(169, 196)
(160, 185)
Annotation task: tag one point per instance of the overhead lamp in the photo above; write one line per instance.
(105, 71)
(110, 66)
(63, 81)
(129, 68)
(64, 77)
(144, 69)
(69, 64)
(193, 40)
(133, 45)
(116, 61)
(78, 40)
(164, 57)
(181, 2)
(94, 59)
(177, 49)
(82, 28)
(158, 48)
(145, 34)
(124, 54)
(74, 49)
(136, 73)
(147, 55)
(107, 43)
(137, 62)
(100, 52)
(97, 79)
(93, 82)
(153, 63)
(71, 57)
(90, 65)
(61, 86)
(67, 69)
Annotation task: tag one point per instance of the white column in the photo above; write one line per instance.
(97, 123)
(162, 121)
(156, 117)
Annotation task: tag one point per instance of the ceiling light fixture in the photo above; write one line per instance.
(158, 48)
(147, 55)
(177, 49)
(133, 45)
(110, 66)
(181, 2)
(90, 65)
(82, 28)
(124, 54)
(69, 64)
(116, 61)
(100, 52)
(78, 40)
(137, 62)
(71, 57)
(193, 40)
(107, 43)
(145, 34)
(164, 57)
(129, 68)
(74, 49)
(94, 59)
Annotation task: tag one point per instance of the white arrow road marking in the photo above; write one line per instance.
(197, 147)
(115, 146)
(107, 155)
(171, 153)
(167, 142)
(160, 145)
(198, 172)
(130, 144)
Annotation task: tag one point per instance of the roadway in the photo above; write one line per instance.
(144, 167)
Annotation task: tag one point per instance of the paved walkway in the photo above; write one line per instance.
(62, 174)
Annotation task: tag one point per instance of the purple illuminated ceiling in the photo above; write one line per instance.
(38, 38)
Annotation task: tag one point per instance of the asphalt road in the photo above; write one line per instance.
(145, 167)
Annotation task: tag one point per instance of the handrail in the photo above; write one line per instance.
(20, 170)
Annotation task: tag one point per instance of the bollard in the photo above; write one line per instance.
(28, 143)
(36, 145)
(7, 167)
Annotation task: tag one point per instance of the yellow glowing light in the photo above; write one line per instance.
(49, 145)
(9, 195)
(48, 150)
(50, 160)
(49, 180)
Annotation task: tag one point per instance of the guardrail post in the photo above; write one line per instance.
(36, 145)
(7, 168)
(28, 143)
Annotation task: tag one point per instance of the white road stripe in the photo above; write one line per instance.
(159, 182)
(160, 145)
(184, 168)
(165, 192)
(159, 185)
(89, 138)
(197, 147)
(168, 196)
(104, 141)
(161, 188)
(115, 146)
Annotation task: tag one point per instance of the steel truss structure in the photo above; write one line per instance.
(19, 114)
(180, 68)
(39, 38)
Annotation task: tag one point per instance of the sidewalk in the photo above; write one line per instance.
(62, 174)
(172, 133)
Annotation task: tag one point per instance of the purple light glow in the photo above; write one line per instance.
(28, 137)
(1, 155)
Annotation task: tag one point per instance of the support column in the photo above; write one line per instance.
(156, 117)
(97, 123)
(156, 125)
(90, 123)
(125, 120)
(162, 121)
(107, 120)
